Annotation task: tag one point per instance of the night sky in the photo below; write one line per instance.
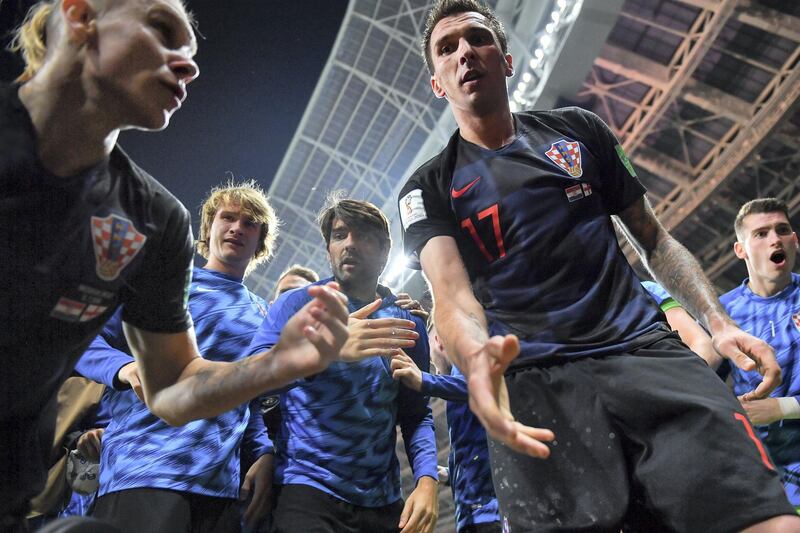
(259, 63)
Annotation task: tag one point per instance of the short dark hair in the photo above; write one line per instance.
(301, 272)
(357, 214)
(447, 8)
(759, 205)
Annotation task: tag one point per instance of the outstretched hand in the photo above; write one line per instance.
(376, 336)
(314, 336)
(749, 353)
(488, 398)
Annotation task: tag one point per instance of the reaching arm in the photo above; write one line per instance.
(769, 410)
(414, 415)
(180, 386)
(461, 323)
(680, 274)
(693, 335)
(450, 388)
(106, 356)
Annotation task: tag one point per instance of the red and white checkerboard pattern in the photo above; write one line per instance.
(574, 151)
(132, 242)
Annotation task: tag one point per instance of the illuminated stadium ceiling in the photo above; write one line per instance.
(373, 117)
(703, 94)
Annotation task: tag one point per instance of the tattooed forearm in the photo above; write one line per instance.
(672, 265)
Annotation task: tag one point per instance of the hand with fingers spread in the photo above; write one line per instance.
(90, 443)
(488, 398)
(314, 336)
(257, 487)
(405, 301)
(406, 370)
(376, 336)
(749, 353)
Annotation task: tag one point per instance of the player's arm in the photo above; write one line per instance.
(414, 415)
(680, 274)
(449, 388)
(461, 323)
(106, 356)
(257, 483)
(180, 386)
(769, 410)
(693, 335)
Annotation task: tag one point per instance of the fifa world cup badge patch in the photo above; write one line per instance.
(116, 243)
(412, 208)
(567, 156)
(796, 321)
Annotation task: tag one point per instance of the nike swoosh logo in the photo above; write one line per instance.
(460, 192)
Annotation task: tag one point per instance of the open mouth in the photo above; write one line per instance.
(778, 257)
(471, 75)
(234, 242)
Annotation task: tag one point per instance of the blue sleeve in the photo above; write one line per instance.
(278, 315)
(415, 416)
(656, 291)
(107, 353)
(450, 388)
(255, 441)
(270, 330)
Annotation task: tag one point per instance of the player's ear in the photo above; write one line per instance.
(438, 90)
(80, 20)
(509, 65)
(738, 249)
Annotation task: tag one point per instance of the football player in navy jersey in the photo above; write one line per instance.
(92, 232)
(767, 304)
(539, 308)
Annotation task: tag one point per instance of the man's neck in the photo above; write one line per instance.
(233, 271)
(361, 292)
(491, 131)
(71, 133)
(768, 288)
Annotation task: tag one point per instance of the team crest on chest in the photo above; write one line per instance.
(116, 243)
(567, 156)
(796, 321)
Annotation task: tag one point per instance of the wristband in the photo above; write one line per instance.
(789, 407)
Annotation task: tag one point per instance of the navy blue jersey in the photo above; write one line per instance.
(73, 249)
(532, 224)
(337, 431)
(202, 457)
(470, 470)
(775, 320)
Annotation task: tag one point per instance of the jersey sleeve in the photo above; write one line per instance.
(617, 181)
(106, 355)
(660, 295)
(255, 441)
(157, 297)
(415, 416)
(278, 315)
(424, 211)
(449, 388)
